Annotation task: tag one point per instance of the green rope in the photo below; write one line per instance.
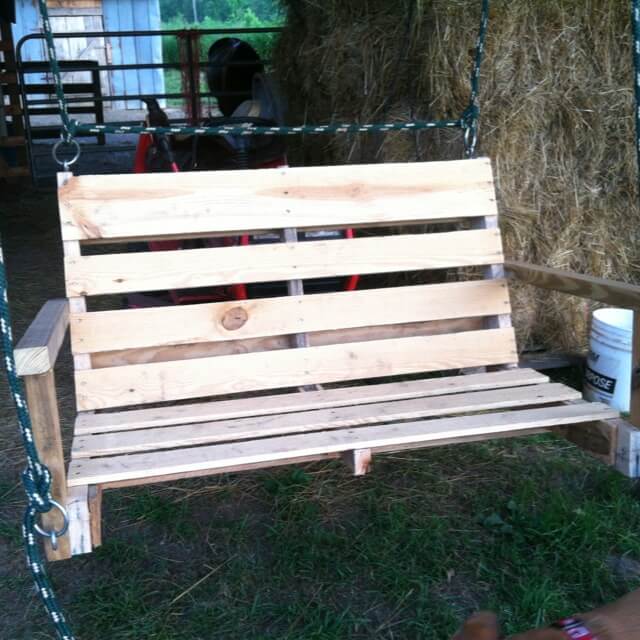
(635, 21)
(468, 121)
(68, 125)
(36, 477)
(471, 115)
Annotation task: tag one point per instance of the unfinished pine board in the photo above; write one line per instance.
(87, 423)
(133, 482)
(318, 420)
(45, 421)
(160, 270)
(494, 272)
(38, 350)
(79, 536)
(245, 319)
(217, 457)
(609, 292)
(158, 382)
(77, 305)
(144, 355)
(359, 461)
(153, 205)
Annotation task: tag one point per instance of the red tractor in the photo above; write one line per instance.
(245, 95)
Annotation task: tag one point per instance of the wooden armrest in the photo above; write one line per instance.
(38, 350)
(607, 291)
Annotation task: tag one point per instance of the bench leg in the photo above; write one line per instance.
(598, 439)
(95, 515)
(628, 449)
(79, 520)
(359, 461)
(45, 421)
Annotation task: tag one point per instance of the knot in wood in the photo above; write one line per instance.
(234, 319)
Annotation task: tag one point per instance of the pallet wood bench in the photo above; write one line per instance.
(173, 392)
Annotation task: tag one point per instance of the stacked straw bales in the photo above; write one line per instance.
(557, 119)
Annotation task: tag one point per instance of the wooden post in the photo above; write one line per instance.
(45, 420)
(296, 288)
(358, 460)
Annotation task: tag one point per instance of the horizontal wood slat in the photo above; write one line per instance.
(87, 423)
(243, 319)
(154, 205)
(160, 270)
(144, 355)
(140, 384)
(382, 437)
(323, 419)
(603, 290)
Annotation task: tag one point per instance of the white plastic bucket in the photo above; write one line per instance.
(608, 373)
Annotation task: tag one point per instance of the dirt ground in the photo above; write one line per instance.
(531, 528)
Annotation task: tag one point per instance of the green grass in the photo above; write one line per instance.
(524, 527)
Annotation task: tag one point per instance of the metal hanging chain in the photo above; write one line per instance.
(468, 121)
(36, 477)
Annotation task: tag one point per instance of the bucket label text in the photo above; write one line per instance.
(600, 381)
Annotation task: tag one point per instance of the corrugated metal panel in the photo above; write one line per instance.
(27, 22)
(142, 15)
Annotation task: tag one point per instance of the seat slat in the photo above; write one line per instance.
(87, 423)
(322, 419)
(243, 319)
(216, 458)
(160, 270)
(144, 206)
(158, 382)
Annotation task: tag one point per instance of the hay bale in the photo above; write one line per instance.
(557, 120)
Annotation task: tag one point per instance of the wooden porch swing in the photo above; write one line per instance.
(409, 365)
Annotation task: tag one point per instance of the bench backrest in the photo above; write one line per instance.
(138, 356)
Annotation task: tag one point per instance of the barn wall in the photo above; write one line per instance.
(118, 15)
(126, 15)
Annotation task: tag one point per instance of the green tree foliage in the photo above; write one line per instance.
(223, 11)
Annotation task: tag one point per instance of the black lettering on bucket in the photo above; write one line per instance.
(599, 381)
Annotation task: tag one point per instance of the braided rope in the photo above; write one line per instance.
(68, 126)
(249, 130)
(471, 116)
(36, 477)
(635, 22)
(468, 121)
